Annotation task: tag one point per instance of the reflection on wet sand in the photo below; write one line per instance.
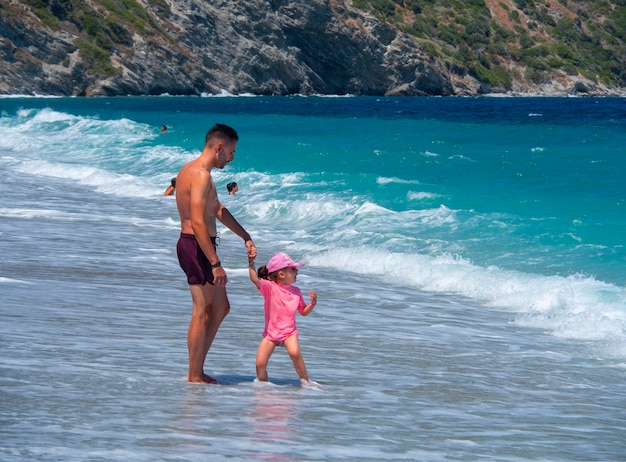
(274, 413)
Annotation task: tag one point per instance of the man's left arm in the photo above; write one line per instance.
(228, 220)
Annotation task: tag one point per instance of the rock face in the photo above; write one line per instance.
(264, 47)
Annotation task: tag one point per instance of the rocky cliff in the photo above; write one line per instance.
(193, 47)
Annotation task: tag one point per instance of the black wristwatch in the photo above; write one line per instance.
(217, 265)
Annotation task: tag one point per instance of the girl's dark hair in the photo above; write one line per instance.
(264, 274)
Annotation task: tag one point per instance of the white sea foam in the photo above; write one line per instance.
(226, 94)
(461, 157)
(30, 96)
(421, 195)
(12, 212)
(574, 307)
(13, 281)
(102, 180)
(385, 180)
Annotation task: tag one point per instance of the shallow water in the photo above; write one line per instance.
(427, 346)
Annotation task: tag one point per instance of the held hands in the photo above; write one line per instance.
(251, 250)
(252, 272)
(219, 275)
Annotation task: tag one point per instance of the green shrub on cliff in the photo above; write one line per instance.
(575, 37)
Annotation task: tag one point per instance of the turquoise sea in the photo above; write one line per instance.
(468, 255)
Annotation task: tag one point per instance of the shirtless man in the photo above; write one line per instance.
(199, 207)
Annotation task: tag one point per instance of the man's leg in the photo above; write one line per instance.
(210, 307)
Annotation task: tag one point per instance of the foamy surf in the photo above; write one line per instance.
(484, 321)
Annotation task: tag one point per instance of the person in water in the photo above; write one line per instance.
(199, 208)
(171, 188)
(282, 300)
(232, 188)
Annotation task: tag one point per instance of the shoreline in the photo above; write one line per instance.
(512, 94)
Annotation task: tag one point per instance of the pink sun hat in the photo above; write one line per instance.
(280, 261)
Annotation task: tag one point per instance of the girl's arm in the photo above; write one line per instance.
(307, 309)
(252, 271)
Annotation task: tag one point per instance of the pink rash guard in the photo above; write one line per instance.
(281, 304)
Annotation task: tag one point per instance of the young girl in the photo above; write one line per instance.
(282, 300)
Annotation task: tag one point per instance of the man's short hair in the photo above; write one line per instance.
(221, 132)
(230, 186)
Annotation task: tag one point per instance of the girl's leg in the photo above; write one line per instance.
(266, 348)
(293, 348)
